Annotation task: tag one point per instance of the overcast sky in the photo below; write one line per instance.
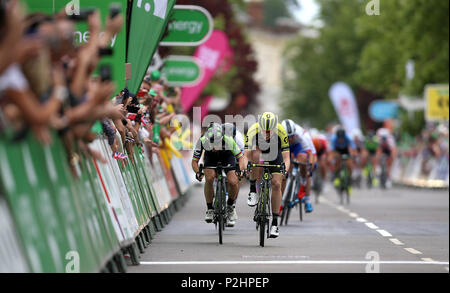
(308, 11)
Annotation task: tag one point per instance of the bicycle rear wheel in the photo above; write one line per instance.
(286, 202)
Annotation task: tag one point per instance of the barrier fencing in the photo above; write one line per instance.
(419, 170)
(52, 221)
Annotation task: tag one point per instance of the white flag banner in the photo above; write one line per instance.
(344, 103)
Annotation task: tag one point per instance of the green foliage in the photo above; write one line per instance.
(367, 52)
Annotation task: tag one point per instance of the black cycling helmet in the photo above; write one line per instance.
(341, 133)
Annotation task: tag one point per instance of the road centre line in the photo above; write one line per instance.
(413, 251)
(372, 226)
(384, 233)
(396, 241)
(292, 262)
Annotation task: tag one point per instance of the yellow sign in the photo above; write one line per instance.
(436, 98)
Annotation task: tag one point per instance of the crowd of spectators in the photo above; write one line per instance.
(431, 146)
(49, 85)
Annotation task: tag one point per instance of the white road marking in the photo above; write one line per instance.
(372, 226)
(289, 262)
(446, 268)
(342, 209)
(362, 220)
(413, 251)
(353, 215)
(427, 259)
(384, 233)
(396, 241)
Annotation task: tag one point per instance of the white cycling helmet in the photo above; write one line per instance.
(290, 127)
(357, 133)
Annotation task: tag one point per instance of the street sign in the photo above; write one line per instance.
(381, 110)
(182, 70)
(437, 103)
(189, 25)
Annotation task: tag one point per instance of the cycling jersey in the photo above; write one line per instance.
(239, 138)
(228, 147)
(321, 145)
(341, 145)
(371, 145)
(255, 139)
(302, 139)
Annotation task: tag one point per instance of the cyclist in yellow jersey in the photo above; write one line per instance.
(267, 141)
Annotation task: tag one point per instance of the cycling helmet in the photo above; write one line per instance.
(290, 127)
(340, 132)
(357, 134)
(214, 133)
(268, 121)
(229, 129)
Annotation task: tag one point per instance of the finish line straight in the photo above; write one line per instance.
(299, 262)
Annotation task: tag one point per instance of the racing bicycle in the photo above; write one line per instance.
(263, 209)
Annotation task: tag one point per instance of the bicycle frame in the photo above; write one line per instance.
(344, 177)
(290, 193)
(220, 214)
(263, 210)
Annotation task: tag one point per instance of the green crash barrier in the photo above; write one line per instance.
(60, 219)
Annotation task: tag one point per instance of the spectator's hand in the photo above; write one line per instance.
(28, 48)
(42, 134)
(94, 22)
(58, 76)
(114, 26)
(114, 112)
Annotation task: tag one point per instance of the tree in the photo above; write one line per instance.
(240, 79)
(314, 64)
(369, 53)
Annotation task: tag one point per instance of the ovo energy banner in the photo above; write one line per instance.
(148, 22)
(74, 7)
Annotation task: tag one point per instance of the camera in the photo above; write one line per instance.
(114, 10)
(105, 73)
(83, 16)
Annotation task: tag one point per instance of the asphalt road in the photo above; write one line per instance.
(396, 231)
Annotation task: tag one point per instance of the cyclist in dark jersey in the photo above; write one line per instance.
(216, 148)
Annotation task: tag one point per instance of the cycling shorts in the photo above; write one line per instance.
(343, 151)
(226, 158)
(278, 161)
(387, 151)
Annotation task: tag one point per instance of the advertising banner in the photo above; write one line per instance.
(148, 23)
(210, 55)
(182, 70)
(118, 44)
(344, 103)
(189, 25)
(437, 103)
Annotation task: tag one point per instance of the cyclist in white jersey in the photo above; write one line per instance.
(302, 149)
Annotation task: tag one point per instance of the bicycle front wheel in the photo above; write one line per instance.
(262, 232)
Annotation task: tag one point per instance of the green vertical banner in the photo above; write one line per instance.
(118, 43)
(148, 23)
